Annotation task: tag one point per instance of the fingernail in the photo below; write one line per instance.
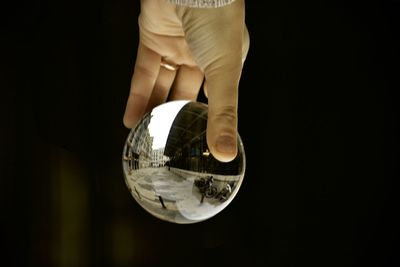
(225, 144)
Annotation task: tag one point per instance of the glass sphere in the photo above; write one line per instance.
(168, 167)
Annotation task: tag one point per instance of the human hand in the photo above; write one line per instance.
(198, 43)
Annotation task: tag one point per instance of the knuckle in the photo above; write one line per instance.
(226, 115)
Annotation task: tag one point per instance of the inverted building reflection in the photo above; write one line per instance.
(139, 153)
(186, 147)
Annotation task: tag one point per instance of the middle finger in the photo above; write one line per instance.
(161, 88)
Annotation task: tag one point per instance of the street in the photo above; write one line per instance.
(172, 195)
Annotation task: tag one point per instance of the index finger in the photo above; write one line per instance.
(144, 77)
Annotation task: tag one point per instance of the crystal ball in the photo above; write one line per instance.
(168, 167)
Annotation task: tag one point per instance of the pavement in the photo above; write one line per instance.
(171, 194)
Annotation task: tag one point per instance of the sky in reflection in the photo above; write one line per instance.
(162, 118)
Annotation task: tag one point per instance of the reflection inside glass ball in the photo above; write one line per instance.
(168, 167)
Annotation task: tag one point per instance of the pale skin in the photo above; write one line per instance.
(208, 44)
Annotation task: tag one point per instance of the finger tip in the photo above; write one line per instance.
(224, 156)
(128, 122)
(225, 149)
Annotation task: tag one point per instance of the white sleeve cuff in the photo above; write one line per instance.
(202, 3)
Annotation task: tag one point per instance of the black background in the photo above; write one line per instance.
(316, 114)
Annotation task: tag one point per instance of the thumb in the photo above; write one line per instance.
(215, 38)
(222, 114)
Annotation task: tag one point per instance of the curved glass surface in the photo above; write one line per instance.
(168, 167)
